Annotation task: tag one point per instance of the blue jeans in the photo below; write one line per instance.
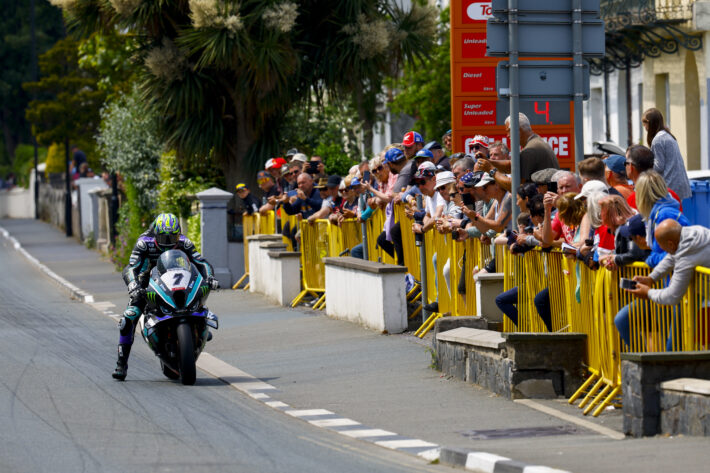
(357, 251)
(623, 325)
(506, 302)
(542, 304)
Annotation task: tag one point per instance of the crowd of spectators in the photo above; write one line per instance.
(605, 216)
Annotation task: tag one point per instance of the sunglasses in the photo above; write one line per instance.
(378, 169)
(477, 147)
(263, 181)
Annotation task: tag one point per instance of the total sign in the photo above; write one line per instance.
(474, 12)
(560, 142)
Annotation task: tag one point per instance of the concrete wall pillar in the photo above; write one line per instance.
(86, 215)
(213, 222)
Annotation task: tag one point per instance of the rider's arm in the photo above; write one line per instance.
(196, 258)
(137, 263)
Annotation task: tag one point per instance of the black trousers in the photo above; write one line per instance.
(394, 246)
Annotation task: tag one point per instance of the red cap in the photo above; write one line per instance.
(275, 163)
(411, 138)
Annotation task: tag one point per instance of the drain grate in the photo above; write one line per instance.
(520, 432)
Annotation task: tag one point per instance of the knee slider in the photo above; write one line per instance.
(128, 321)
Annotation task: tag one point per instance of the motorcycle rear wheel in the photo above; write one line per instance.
(169, 373)
(187, 354)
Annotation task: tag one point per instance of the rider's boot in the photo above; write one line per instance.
(124, 349)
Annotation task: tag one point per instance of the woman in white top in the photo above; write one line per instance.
(668, 161)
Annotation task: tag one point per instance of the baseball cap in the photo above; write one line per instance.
(274, 163)
(354, 182)
(412, 137)
(590, 187)
(470, 179)
(299, 157)
(480, 140)
(543, 176)
(426, 169)
(424, 153)
(241, 186)
(333, 181)
(393, 155)
(633, 227)
(291, 152)
(443, 178)
(615, 162)
(485, 179)
(322, 183)
(263, 175)
(432, 145)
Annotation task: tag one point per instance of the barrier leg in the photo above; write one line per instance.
(300, 297)
(246, 288)
(597, 399)
(416, 311)
(426, 322)
(241, 280)
(591, 393)
(320, 301)
(430, 325)
(582, 388)
(607, 401)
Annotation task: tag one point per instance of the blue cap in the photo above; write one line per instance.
(470, 179)
(355, 182)
(412, 137)
(393, 155)
(615, 162)
(424, 153)
(634, 227)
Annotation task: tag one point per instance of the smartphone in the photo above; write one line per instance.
(292, 193)
(312, 167)
(552, 187)
(366, 176)
(625, 283)
(569, 248)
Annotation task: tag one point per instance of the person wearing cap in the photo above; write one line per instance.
(273, 167)
(270, 192)
(251, 203)
(412, 142)
(474, 198)
(289, 175)
(440, 159)
(434, 204)
(535, 155)
(478, 147)
(328, 189)
(543, 179)
(291, 153)
(390, 240)
(615, 174)
(630, 244)
(424, 155)
(403, 168)
(499, 217)
(348, 205)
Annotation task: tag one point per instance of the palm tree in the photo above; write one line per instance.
(222, 73)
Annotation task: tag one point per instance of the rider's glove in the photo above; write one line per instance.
(135, 291)
(213, 283)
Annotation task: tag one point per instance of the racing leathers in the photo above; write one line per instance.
(136, 275)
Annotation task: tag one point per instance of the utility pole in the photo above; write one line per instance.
(35, 78)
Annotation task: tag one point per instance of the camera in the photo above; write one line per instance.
(625, 283)
(312, 167)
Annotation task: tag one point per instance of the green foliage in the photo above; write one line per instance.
(25, 162)
(129, 145)
(424, 90)
(56, 159)
(70, 103)
(132, 221)
(16, 65)
(221, 75)
(329, 131)
(110, 57)
(194, 231)
(178, 186)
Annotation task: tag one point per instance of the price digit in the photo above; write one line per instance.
(545, 112)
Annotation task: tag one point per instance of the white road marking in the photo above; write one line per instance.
(333, 422)
(356, 434)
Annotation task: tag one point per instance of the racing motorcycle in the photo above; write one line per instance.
(175, 323)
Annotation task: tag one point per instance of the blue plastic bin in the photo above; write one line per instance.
(697, 207)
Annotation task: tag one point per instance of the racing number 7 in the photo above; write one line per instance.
(178, 278)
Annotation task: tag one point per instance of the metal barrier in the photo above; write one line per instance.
(250, 226)
(292, 222)
(375, 226)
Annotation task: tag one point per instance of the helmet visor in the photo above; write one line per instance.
(167, 240)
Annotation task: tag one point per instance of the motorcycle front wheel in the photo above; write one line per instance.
(187, 354)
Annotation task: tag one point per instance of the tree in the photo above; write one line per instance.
(424, 90)
(222, 74)
(16, 65)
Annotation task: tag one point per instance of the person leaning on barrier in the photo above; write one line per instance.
(686, 248)
(554, 229)
(251, 203)
(390, 240)
(498, 217)
(305, 203)
(270, 191)
(328, 191)
(629, 245)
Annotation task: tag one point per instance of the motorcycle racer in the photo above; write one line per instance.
(163, 234)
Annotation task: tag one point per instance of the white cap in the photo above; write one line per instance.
(591, 187)
(426, 165)
(443, 178)
(299, 157)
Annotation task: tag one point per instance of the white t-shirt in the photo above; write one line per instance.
(432, 203)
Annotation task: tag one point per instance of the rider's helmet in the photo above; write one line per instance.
(167, 231)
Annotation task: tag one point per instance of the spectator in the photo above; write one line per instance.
(434, 204)
(639, 159)
(382, 189)
(291, 153)
(440, 158)
(630, 244)
(614, 213)
(305, 203)
(412, 142)
(656, 205)
(615, 174)
(544, 180)
(251, 203)
(498, 217)
(446, 140)
(525, 192)
(535, 155)
(328, 189)
(290, 176)
(668, 161)
(478, 147)
(498, 151)
(299, 157)
(463, 166)
(390, 240)
(316, 168)
(422, 156)
(271, 192)
(685, 248)
(273, 167)
(405, 170)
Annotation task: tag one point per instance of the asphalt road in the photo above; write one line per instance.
(61, 411)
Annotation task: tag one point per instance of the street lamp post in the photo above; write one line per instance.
(35, 78)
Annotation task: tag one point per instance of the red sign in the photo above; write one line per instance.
(478, 79)
(473, 45)
(475, 11)
(475, 113)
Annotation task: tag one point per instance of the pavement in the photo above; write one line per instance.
(343, 377)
